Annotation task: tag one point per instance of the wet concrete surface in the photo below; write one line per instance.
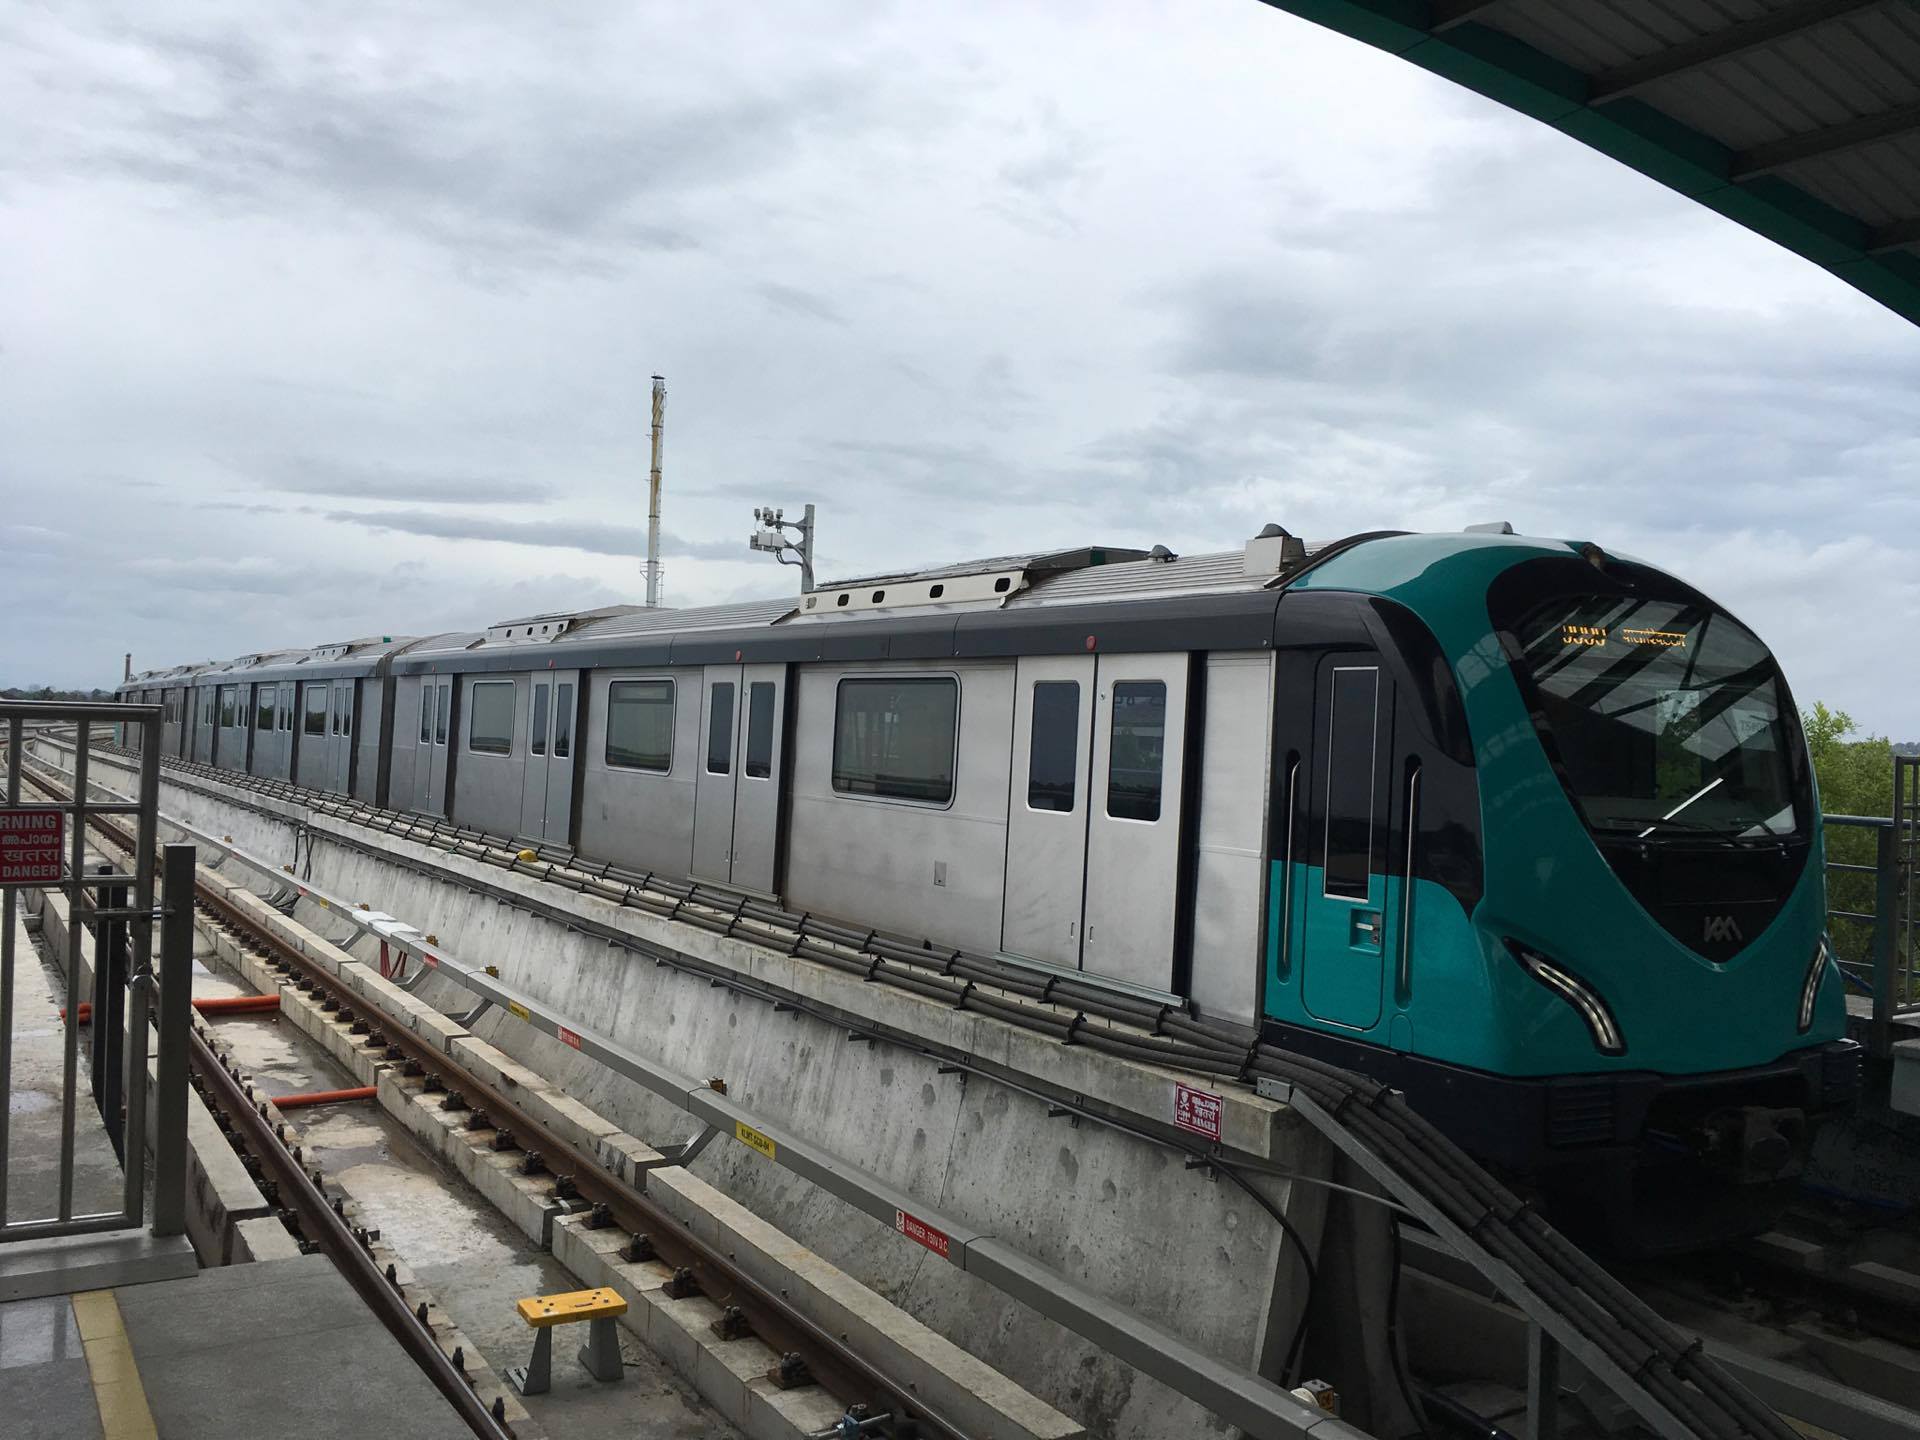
(458, 1245)
(33, 1141)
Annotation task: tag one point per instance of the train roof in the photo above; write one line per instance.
(848, 616)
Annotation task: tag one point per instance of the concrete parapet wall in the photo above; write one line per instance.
(1117, 1212)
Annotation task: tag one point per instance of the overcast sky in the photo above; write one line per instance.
(338, 319)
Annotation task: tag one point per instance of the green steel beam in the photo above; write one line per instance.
(1880, 264)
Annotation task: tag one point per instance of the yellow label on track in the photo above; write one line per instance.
(753, 1139)
(515, 1008)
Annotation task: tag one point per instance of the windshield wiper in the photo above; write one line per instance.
(1667, 818)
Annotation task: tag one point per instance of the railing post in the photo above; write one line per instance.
(176, 1006)
(1885, 888)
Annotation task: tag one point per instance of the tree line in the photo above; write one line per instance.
(1855, 775)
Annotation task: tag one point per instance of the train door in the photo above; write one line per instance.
(756, 791)
(1047, 812)
(546, 787)
(714, 784)
(287, 732)
(1133, 818)
(440, 691)
(340, 738)
(422, 745)
(1342, 930)
(203, 708)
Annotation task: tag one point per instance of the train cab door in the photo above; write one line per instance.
(1134, 817)
(1047, 812)
(1343, 916)
(438, 691)
(546, 787)
(715, 787)
(756, 786)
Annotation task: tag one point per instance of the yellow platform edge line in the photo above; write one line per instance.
(117, 1388)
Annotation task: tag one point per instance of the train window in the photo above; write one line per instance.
(562, 721)
(1352, 719)
(228, 715)
(1136, 752)
(896, 738)
(316, 711)
(1053, 748)
(426, 714)
(346, 710)
(720, 730)
(263, 698)
(759, 762)
(640, 725)
(441, 706)
(286, 708)
(490, 725)
(538, 744)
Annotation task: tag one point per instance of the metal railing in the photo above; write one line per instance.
(124, 957)
(1873, 871)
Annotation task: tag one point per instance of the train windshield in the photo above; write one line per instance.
(1667, 719)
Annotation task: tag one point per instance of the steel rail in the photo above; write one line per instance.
(318, 1222)
(1256, 1404)
(775, 1320)
(835, 1364)
(1659, 1371)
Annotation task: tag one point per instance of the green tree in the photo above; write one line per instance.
(1855, 778)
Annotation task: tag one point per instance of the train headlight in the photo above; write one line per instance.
(1810, 987)
(1600, 1023)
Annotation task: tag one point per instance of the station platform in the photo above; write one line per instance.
(281, 1348)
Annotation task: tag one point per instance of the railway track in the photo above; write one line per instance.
(809, 1353)
(1663, 1373)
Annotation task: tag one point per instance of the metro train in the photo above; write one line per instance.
(1523, 827)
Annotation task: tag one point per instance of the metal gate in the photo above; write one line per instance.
(127, 991)
(1873, 872)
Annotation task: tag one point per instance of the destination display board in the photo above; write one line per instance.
(30, 844)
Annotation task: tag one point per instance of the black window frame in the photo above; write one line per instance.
(1342, 750)
(756, 760)
(842, 782)
(308, 714)
(1035, 737)
(672, 702)
(537, 718)
(563, 720)
(720, 729)
(493, 746)
(1159, 802)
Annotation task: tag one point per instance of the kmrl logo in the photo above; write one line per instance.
(1721, 927)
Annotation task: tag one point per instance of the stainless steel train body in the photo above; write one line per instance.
(1151, 771)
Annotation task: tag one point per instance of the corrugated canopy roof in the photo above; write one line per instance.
(1800, 119)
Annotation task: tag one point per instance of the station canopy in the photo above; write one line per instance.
(1800, 119)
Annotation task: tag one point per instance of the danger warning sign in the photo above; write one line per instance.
(30, 845)
(1197, 1110)
(917, 1230)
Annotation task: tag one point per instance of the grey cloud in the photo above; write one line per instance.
(557, 161)
(794, 301)
(594, 537)
(355, 480)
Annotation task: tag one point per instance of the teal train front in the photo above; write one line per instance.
(1546, 855)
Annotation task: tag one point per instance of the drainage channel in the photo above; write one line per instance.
(396, 1188)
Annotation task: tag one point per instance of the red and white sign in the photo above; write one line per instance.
(921, 1233)
(1197, 1110)
(30, 847)
(567, 1037)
